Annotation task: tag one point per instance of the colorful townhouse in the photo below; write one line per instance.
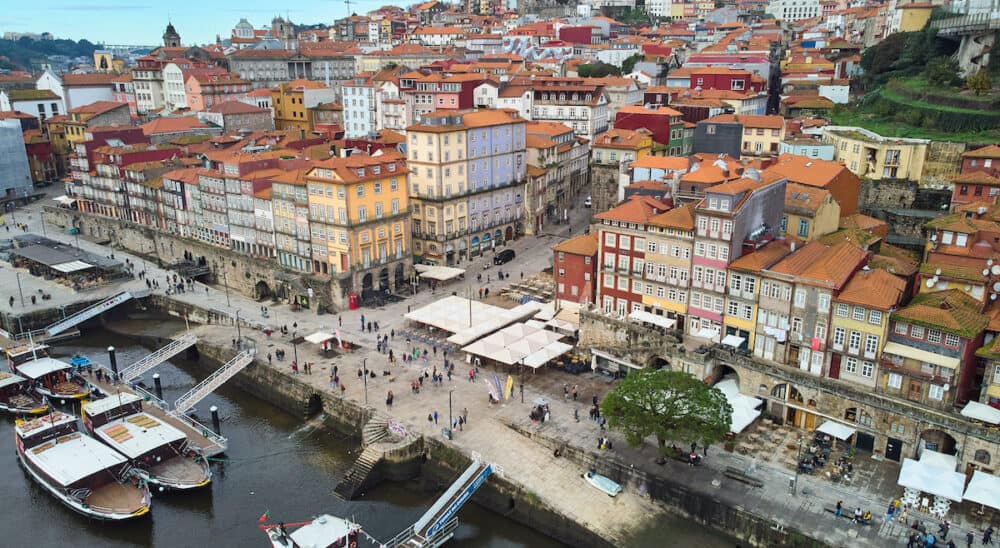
(742, 294)
(668, 262)
(962, 252)
(860, 325)
(622, 251)
(734, 218)
(575, 269)
(809, 212)
(930, 358)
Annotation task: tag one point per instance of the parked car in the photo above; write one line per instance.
(588, 202)
(504, 256)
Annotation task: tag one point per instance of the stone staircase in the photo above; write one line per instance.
(355, 479)
(375, 430)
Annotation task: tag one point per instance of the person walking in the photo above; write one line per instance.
(839, 509)
(970, 537)
(268, 358)
(943, 529)
(465, 415)
(435, 416)
(890, 512)
(988, 535)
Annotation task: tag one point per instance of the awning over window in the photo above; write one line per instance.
(645, 317)
(984, 489)
(921, 355)
(838, 430)
(72, 266)
(733, 340)
(981, 412)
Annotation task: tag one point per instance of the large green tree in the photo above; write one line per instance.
(670, 405)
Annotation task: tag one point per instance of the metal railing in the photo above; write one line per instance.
(187, 401)
(156, 358)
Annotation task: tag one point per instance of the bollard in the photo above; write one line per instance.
(114, 364)
(157, 386)
(215, 419)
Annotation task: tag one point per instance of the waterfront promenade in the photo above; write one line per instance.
(526, 462)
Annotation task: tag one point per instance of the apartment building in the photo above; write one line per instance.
(872, 156)
(669, 244)
(571, 101)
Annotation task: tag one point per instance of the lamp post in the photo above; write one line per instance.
(521, 387)
(295, 347)
(21, 293)
(225, 282)
(239, 336)
(451, 433)
(798, 461)
(364, 371)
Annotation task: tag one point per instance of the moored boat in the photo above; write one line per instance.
(609, 487)
(324, 531)
(159, 451)
(16, 355)
(16, 396)
(55, 379)
(84, 474)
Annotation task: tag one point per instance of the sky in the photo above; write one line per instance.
(143, 22)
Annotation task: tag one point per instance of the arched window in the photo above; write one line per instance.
(982, 456)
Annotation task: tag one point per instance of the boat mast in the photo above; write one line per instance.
(31, 341)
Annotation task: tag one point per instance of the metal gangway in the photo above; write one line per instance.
(187, 402)
(91, 311)
(150, 361)
(439, 523)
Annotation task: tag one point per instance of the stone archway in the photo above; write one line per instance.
(509, 234)
(400, 277)
(314, 406)
(262, 290)
(656, 362)
(937, 440)
(383, 279)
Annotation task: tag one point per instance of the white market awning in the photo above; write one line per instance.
(72, 266)
(932, 479)
(706, 333)
(985, 489)
(838, 430)
(733, 340)
(547, 354)
(981, 412)
(562, 325)
(319, 337)
(920, 355)
(64, 200)
(745, 408)
(642, 316)
(516, 342)
(439, 273)
(939, 460)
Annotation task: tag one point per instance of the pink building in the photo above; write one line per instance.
(205, 90)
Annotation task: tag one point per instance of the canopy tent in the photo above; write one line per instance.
(707, 333)
(546, 312)
(933, 479)
(985, 489)
(543, 356)
(733, 340)
(454, 313)
(517, 342)
(981, 412)
(641, 316)
(319, 337)
(536, 324)
(439, 273)
(503, 318)
(939, 460)
(562, 325)
(745, 408)
(36, 369)
(64, 200)
(71, 266)
(838, 430)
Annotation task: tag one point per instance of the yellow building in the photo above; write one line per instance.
(860, 324)
(359, 219)
(914, 16)
(810, 212)
(743, 288)
(762, 135)
(616, 145)
(293, 103)
(871, 156)
(670, 237)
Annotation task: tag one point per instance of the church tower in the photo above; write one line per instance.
(170, 37)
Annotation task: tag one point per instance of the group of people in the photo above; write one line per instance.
(920, 537)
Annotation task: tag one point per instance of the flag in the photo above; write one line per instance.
(499, 386)
(263, 517)
(509, 388)
(492, 389)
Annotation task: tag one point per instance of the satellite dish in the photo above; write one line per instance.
(935, 279)
(993, 296)
(947, 387)
(968, 287)
(937, 272)
(996, 287)
(986, 272)
(933, 237)
(989, 262)
(995, 270)
(930, 282)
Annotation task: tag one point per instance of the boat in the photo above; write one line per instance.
(324, 531)
(159, 452)
(54, 378)
(83, 473)
(606, 485)
(16, 355)
(17, 397)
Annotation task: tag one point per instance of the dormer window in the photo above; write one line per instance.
(961, 240)
(947, 237)
(361, 172)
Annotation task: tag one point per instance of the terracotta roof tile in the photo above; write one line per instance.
(673, 163)
(991, 151)
(172, 125)
(749, 120)
(637, 209)
(585, 244)
(679, 217)
(763, 258)
(804, 170)
(823, 265)
(91, 79)
(801, 197)
(951, 311)
(874, 289)
(98, 107)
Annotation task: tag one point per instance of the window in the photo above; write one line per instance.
(839, 334)
(935, 392)
(867, 369)
(609, 281)
(875, 317)
(796, 325)
(824, 303)
(850, 364)
(951, 340)
(624, 242)
(871, 345)
(859, 314)
(360, 189)
(854, 342)
(733, 308)
(901, 328)
(916, 332)
(933, 335)
(609, 239)
(640, 244)
(895, 380)
(800, 298)
(842, 310)
(803, 227)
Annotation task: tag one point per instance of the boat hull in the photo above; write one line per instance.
(83, 393)
(605, 485)
(37, 409)
(74, 504)
(173, 484)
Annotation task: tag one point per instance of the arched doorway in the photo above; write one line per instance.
(474, 246)
(937, 440)
(728, 372)
(383, 279)
(314, 406)
(366, 286)
(400, 277)
(262, 290)
(509, 235)
(657, 362)
(498, 235)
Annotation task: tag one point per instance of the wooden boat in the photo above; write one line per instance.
(159, 451)
(324, 531)
(16, 396)
(55, 379)
(83, 473)
(606, 485)
(16, 355)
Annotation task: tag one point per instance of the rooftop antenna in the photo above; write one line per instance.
(348, 4)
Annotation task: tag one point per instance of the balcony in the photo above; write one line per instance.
(896, 367)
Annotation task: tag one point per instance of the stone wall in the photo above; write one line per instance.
(603, 187)
(888, 193)
(942, 164)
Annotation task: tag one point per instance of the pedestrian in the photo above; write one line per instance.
(988, 535)
(342, 390)
(704, 450)
(388, 400)
(430, 418)
(839, 509)
(970, 537)
(268, 358)
(461, 423)
(465, 415)
(376, 327)
(891, 511)
(575, 392)
(944, 528)
(362, 322)
(11, 302)
(392, 333)
(565, 391)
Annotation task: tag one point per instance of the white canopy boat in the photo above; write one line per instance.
(84, 474)
(158, 450)
(325, 531)
(55, 379)
(17, 397)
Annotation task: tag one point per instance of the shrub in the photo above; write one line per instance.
(979, 83)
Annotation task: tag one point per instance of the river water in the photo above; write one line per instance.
(274, 464)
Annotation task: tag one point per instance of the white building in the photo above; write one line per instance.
(173, 86)
(658, 8)
(437, 36)
(793, 10)
(15, 174)
(77, 90)
(360, 114)
(40, 103)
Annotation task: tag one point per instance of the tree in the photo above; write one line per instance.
(670, 405)
(628, 65)
(979, 83)
(597, 70)
(943, 71)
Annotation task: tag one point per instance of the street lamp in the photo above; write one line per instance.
(364, 371)
(798, 461)
(522, 380)
(295, 347)
(239, 336)
(451, 432)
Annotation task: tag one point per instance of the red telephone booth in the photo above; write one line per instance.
(354, 301)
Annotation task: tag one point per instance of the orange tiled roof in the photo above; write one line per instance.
(750, 120)
(673, 163)
(91, 79)
(637, 209)
(679, 217)
(827, 265)
(874, 289)
(804, 170)
(585, 244)
(763, 258)
(804, 197)
(172, 125)
(991, 151)
(950, 310)
(98, 107)
(865, 223)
